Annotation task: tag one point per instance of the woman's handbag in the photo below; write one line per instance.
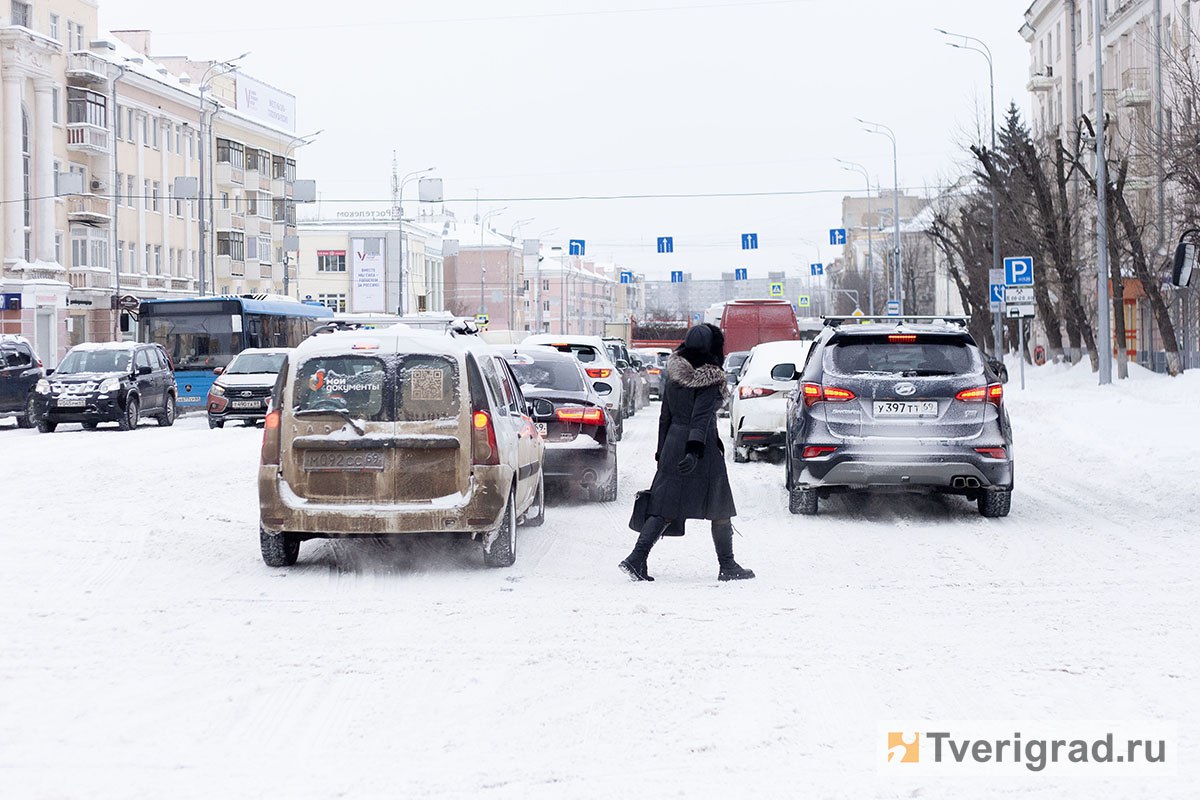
(641, 511)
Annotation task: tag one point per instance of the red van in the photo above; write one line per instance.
(747, 323)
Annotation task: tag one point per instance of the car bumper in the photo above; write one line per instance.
(97, 409)
(765, 417)
(948, 469)
(581, 466)
(479, 510)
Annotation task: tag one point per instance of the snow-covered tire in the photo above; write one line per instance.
(167, 418)
(29, 418)
(606, 492)
(215, 423)
(131, 416)
(802, 501)
(500, 546)
(278, 549)
(91, 426)
(740, 455)
(45, 426)
(995, 502)
(618, 428)
(533, 520)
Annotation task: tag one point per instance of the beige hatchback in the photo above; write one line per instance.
(397, 431)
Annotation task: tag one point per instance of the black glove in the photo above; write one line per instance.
(695, 451)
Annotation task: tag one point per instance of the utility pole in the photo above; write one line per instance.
(897, 267)
(1104, 340)
(116, 207)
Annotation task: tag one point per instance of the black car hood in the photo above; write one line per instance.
(86, 377)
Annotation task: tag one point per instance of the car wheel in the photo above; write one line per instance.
(740, 455)
(802, 501)
(91, 426)
(45, 426)
(995, 502)
(278, 549)
(500, 546)
(29, 418)
(215, 423)
(618, 429)
(129, 420)
(607, 491)
(533, 520)
(167, 418)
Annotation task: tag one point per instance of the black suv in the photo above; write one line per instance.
(909, 405)
(20, 371)
(117, 382)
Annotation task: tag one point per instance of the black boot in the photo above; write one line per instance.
(722, 533)
(634, 564)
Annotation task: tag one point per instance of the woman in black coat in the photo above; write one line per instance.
(691, 482)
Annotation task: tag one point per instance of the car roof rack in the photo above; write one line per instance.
(335, 326)
(944, 319)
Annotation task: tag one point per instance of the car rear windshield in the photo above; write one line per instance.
(343, 384)
(549, 373)
(584, 353)
(923, 357)
(257, 364)
(429, 388)
(79, 361)
(735, 361)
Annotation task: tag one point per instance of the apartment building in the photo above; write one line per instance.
(96, 133)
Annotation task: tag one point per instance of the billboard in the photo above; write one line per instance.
(368, 293)
(266, 103)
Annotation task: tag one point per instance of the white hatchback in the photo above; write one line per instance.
(758, 413)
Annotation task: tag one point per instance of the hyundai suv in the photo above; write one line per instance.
(907, 405)
(114, 382)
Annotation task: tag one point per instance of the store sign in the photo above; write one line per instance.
(368, 292)
(266, 103)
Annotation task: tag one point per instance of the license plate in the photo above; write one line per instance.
(543, 429)
(71, 402)
(906, 408)
(350, 461)
(246, 404)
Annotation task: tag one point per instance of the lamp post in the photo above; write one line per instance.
(400, 232)
(482, 269)
(898, 277)
(298, 141)
(205, 132)
(1103, 321)
(512, 301)
(986, 52)
(116, 190)
(855, 167)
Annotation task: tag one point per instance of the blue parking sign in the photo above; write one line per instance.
(1018, 271)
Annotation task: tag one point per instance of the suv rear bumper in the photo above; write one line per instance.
(850, 468)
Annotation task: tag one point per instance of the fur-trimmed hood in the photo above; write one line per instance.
(680, 371)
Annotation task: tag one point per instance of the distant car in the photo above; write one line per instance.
(593, 354)
(758, 411)
(656, 367)
(397, 431)
(242, 390)
(618, 351)
(733, 368)
(20, 372)
(905, 406)
(571, 418)
(643, 379)
(119, 382)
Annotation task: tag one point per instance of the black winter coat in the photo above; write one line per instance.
(689, 414)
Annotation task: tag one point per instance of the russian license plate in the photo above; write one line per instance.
(71, 402)
(246, 404)
(349, 461)
(906, 408)
(543, 429)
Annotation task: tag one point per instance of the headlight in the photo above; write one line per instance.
(43, 386)
(110, 385)
(217, 390)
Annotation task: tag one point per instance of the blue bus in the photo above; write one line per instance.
(203, 333)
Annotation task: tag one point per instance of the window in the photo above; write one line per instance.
(545, 286)
(120, 255)
(232, 153)
(131, 193)
(22, 14)
(54, 27)
(158, 259)
(331, 261)
(334, 302)
(145, 130)
(132, 265)
(149, 259)
(58, 247)
(130, 127)
(154, 195)
(56, 105)
(179, 140)
(232, 244)
(27, 177)
(86, 106)
(264, 249)
(89, 246)
(155, 128)
(146, 193)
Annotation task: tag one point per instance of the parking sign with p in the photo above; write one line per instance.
(1018, 271)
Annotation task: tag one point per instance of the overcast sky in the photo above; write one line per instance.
(551, 98)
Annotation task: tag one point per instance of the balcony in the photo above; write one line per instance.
(84, 137)
(250, 224)
(282, 188)
(91, 209)
(90, 278)
(224, 219)
(86, 69)
(228, 268)
(1041, 79)
(1135, 88)
(229, 175)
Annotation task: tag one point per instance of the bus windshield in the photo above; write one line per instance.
(195, 341)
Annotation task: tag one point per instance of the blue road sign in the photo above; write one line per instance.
(837, 236)
(997, 292)
(776, 290)
(626, 276)
(1018, 271)
(677, 276)
(893, 308)
(578, 247)
(741, 274)
(817, 269)
(666, 244)
(749, 241)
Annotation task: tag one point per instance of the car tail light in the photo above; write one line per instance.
(993, 394)
(816, 393)
(818, 451)
(812, 394)
(484, 450)
(835, 395)
(992, 452)
(902, 338)
(584, 416)
(654, 371)
(599, 373)
(271, 437)
(748, 392)
(996, 394)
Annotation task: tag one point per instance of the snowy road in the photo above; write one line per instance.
(148, 652)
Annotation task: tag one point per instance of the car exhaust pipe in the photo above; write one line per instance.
(589, 477)
(958, 483)
(973, 483)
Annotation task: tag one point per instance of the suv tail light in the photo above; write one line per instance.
(993, 394)
(818, 451)
(992, 452)
(816, 393)
(747, 392)
(599, 373)
(584, 416)
(484, 450)
(902, 338)
(271, 437)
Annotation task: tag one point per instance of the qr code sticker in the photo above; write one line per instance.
(428, 384)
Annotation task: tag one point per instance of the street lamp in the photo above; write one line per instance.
(512, 301)
(986, 52)
(400, 227)
(855, 167)
(296, 142)
(227, 66)
(482, 269)
(884, 130)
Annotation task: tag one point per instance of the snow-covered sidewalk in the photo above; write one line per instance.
(148, 652)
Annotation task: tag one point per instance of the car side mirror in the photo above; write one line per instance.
(218, 370)
(784, 372)
(622, 364)
(1185, 263)
(49, 372)
(145, 369)
(602, 389)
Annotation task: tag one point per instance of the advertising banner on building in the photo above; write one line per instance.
(266, 103)
(368, 292)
